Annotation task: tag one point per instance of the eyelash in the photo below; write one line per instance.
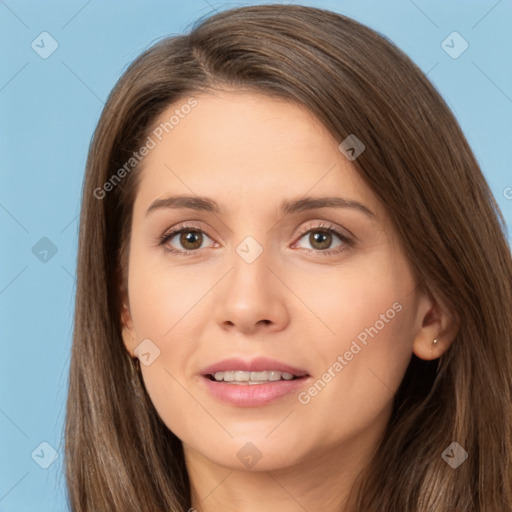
(183, 228)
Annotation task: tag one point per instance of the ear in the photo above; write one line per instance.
(434, 322)
(128, 332)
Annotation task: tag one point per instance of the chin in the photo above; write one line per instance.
(258, 452)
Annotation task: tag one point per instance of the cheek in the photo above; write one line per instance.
(357, 304)
(165, 309)
(365, 344)
(362, 367)
(170, 306)
(165, 301)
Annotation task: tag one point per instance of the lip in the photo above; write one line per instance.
(246, 395)
(258, 364)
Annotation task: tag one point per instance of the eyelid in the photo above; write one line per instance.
(192, 224)
(328, 226)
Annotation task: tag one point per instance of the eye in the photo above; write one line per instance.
(190, 239)
(321, 239)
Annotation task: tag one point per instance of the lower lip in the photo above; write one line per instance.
(253, 395)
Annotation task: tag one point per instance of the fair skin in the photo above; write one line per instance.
(293, 303)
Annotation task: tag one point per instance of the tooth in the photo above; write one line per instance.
(229, 376)
(241, 376)
(259, 375)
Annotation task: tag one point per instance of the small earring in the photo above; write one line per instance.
(435, 342)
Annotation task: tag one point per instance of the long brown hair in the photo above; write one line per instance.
(120, 456)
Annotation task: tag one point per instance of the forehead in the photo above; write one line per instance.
(247, 150)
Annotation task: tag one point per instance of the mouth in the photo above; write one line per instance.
(252, 383)
(245, 378)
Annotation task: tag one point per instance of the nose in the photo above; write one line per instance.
(252, 298)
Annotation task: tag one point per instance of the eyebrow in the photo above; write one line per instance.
(287, 207)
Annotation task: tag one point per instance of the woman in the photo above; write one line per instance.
(294, 285)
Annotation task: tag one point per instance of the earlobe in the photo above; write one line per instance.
(434, 351)
(437, 329)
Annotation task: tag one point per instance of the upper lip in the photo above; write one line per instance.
(258, 364)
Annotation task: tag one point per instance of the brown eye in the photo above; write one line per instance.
(320, 239)
(324, 240)
(184, 240)
(191, 240)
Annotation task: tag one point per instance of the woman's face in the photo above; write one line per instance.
(268, 279)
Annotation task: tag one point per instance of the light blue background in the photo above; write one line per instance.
(49, 110)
